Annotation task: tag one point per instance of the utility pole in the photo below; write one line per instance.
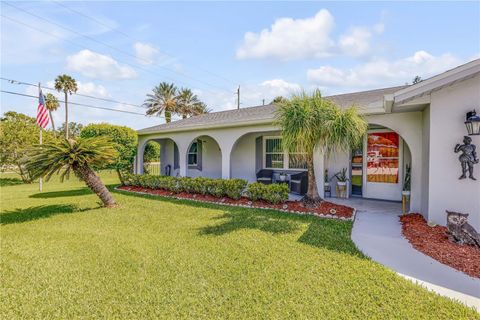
(238, 97)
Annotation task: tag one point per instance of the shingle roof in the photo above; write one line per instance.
(266, 112)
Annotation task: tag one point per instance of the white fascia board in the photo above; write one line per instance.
(462, 72)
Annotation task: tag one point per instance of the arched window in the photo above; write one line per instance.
(194, 156)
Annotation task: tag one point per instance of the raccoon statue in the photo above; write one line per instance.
(460, 231)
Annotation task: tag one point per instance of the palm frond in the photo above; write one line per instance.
(63, 156)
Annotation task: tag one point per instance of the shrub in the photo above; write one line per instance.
(233, 187)
(216, 187)
(276, 193)
(273, 193)
(255, 191)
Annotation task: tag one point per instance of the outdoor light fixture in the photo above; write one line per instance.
(472, 123)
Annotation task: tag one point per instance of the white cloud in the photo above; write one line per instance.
(146, 53)
(279, 87)
(250, 95)
(357, 41)
(289, 38)
(382, 72)
(92, 89)
(98, 66)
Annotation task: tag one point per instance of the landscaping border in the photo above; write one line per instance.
(174, 196)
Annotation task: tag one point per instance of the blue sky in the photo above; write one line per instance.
(269, 48)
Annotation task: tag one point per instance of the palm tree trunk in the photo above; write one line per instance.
(66, 115)
(120, 176)
(168, 116)
(86, 174)
(312, 197)
(53, 124)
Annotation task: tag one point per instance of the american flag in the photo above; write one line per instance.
(42, 112)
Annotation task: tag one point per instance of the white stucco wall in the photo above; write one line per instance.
(166, 155)
(243, 157)
(447, 115)
(335, 163)
(425, 161)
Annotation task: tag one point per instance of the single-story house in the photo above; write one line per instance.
(416, 125)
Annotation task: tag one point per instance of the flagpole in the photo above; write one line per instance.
(40, 182)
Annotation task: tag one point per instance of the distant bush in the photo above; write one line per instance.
(273, 193)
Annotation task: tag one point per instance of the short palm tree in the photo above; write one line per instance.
(163, 99)
(80, 156)
(52, 104)
(309, 122)
(67, 85)
(189, 104)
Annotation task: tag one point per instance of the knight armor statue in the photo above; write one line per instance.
(468, 158)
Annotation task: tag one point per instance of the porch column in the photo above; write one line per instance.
(139, 157)
(226, 148)
(182, 161)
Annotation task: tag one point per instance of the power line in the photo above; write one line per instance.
(74, 103)
(107, 45)
(82, 47)
(78, 94)
(131, 38)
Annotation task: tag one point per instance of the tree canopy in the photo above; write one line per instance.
(123, 139)
(18, 133)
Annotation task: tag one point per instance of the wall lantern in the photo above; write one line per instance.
(472, 123)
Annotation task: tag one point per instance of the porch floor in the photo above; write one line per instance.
(377, 232)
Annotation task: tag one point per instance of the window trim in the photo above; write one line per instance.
(286, 156)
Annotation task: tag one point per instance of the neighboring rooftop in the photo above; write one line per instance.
(264, 113)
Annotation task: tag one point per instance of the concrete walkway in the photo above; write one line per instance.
(377, 233)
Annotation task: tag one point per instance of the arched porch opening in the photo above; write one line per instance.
(159, 156)
(247, 156)
(204, 158)
(376, 169)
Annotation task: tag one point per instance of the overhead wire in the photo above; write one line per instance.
(108, 46)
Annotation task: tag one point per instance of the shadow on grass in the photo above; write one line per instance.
(330, 234)
(37, 212)
(251, 219)
(5, 182)
(57, 194)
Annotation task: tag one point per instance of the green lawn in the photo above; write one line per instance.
(62, 256)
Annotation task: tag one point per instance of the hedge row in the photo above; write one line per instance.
(232, 188)
(273, 193)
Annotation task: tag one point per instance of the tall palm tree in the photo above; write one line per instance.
(163, 99)
(309, 122)
(52, 104)
(189, 104)
(67, 85)
(80, 156)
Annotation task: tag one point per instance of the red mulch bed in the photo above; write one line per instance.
(325, 207)
(433, 241)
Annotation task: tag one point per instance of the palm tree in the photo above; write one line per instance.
(309, 122)
(200, 108)
(79, 156)
(68, 85)
(52, 104)
(188, 104)
(163, 99)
